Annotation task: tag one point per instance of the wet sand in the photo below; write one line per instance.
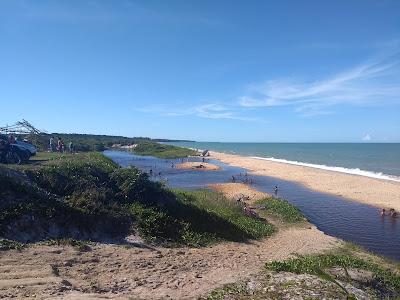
(198, 166)
(376, 192)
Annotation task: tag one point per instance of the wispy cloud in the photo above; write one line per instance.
(207, 111)
(366, 137)
(374, 82)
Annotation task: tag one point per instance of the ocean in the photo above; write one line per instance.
(376, 160)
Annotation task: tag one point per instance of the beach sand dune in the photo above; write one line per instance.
(111, 271)
(376, 192)
(119, 272)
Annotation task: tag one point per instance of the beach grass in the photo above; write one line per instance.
(340, 272)
(384, 280)
(282, 209)
(148, 148)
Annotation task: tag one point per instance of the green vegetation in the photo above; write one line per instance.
(83, 142)
(385, 282)
(282, 209)
(228, 289)
(162, 150)
(198, 218)
(8, 245)
(82, 246)
(340, 273)
(87, 196)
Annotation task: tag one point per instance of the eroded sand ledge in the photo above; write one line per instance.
(232, 190)
(376, 192)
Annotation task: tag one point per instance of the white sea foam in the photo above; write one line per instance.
(355, 171)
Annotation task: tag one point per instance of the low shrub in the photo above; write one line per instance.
(282, 209)
(162, 150)
(387, 281)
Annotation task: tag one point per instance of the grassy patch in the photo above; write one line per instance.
(79, 245)
(198, 218)
(282, 209)
(384, 280)
(162, 150)
(227, 291)
(218, 205)
(9, 244)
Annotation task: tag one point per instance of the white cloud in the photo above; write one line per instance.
(366, 137)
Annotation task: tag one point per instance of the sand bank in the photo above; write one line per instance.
(233, 190)
(376, 192)
(198, 166)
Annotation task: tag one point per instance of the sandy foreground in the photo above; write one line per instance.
(121, 272)
(198, 166)
(376, 192)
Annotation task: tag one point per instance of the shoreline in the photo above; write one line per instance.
(372, 191)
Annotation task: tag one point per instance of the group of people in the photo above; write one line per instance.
(59, 146)
(392, 213)
(239, 177)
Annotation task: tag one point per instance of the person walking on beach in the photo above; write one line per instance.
(52, 145)
(60, 145)
(71, 147)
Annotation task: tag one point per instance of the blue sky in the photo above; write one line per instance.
(253, 71)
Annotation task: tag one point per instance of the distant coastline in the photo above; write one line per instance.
(379, 161)
(367, 190)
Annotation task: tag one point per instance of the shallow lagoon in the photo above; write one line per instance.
(334, 215)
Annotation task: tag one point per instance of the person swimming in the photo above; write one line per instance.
(383, 212)
(393, 213)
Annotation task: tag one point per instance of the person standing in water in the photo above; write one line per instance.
(276, 190)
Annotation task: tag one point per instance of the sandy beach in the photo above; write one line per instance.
(376, 192)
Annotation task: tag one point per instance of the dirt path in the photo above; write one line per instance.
(112, 271)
